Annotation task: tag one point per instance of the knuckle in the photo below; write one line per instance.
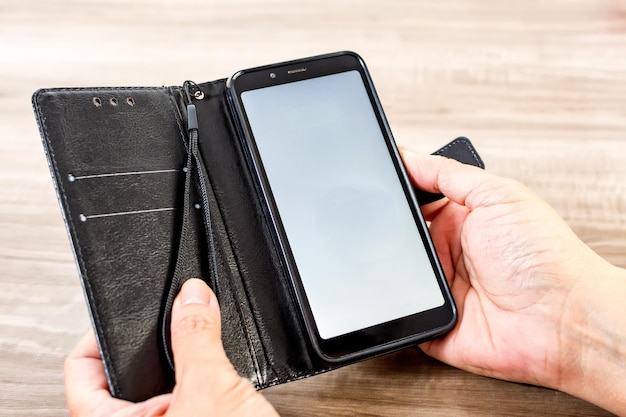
(193, 323)
(496, 190)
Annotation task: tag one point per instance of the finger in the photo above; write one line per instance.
(153, 407)
(437, 174)
(87, 347)
(196, 335)
(86, 386)
(432, 210)
(206, 381)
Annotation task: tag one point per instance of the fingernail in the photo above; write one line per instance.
(195, 291)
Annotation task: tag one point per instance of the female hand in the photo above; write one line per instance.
(206, 382)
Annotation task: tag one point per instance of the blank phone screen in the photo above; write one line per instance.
(350, 228)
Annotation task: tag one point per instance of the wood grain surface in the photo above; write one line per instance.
(539, 86)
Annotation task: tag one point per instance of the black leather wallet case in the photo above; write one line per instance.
(147, 208)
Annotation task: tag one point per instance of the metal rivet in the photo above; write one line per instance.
(185, 169)
(130, 101)
(199, 95)
(113, 101)
(82, 218)
(96, 101)
(197, 206)
(71, 178)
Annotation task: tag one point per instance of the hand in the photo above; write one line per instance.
(512, 264)
(206, 382)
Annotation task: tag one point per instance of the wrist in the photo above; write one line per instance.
(593, 338)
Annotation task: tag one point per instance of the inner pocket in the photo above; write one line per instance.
(203, 241)
(282, 348)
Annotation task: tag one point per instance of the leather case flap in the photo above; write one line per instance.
(141, 222)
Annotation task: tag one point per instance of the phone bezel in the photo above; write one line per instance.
(376, 339)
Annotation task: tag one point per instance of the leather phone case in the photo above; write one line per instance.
(147, 206)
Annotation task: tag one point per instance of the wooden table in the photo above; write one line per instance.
(539, 86)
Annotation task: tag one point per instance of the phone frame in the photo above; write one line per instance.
(374, 340)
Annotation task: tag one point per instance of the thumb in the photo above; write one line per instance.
(206, 381)
(459, 182)
(196, 336)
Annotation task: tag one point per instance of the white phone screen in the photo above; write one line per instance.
(352, 234)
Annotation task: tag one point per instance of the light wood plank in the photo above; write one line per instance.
(538, 86)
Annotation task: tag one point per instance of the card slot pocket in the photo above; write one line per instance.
(124, 263)
(72, 177)
(97, 196)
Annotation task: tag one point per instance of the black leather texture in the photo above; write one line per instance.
(147, 206)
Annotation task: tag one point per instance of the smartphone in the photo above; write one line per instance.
(344, 217)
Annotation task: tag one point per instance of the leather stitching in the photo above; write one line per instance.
(465, 142)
